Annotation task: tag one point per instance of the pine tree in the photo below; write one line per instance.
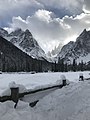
(59, 65)
(62, 65)
(3, 63)
(55, 67)
(74, 65)
(81, 65)
(65, 67)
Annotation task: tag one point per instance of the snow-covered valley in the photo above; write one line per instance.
(37, 80)
(72, 102)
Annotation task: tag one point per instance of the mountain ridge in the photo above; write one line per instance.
(12, 59)
(77, 50)
(25, 41)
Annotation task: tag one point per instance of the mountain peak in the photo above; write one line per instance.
(84, 37)
(84, 30)
(83, 33)
(28, 32)
(78, 50)
(25, 41)
(3, 32)
(17, 32)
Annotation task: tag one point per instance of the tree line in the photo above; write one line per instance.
(63, 66)
(28, 64)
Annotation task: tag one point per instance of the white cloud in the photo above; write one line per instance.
(71, 5)
(50, 31)
(45, 27)
(23, 8)
(43, 15)
(86, 6)
(14, 4)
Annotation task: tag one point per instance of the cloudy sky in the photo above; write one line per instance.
(50, 21)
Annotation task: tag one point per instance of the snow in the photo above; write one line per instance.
(85, 59)
(12, 85)
(78, 50)
(72, 102)
(69, 103)
(20, 39)
(63, 77)
(7, 92)
(37, 80)
(7, 111)
(81, 74)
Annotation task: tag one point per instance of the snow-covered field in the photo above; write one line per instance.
(72, 102)
(32, 81)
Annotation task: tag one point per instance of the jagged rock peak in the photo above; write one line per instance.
(3, 32)
(83, 33)
(16, 32)
(84, 37)
(80, 50)
(28, 32)
(24, 40)
(84, 30)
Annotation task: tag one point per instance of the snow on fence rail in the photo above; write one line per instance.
(81, 77)
(17, 91)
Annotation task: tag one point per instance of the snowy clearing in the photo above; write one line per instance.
(38, 80)
(69, 103)
(72, 102)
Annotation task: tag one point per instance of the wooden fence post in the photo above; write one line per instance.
(81, 77)
(15, 95)
(64, 82)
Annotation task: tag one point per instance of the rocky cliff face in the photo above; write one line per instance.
(24, 40)
(3, 32)
(12, 59)
(79, 50)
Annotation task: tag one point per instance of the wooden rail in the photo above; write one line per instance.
(15, 95)
(38, 90)
(21, 95)
(86, 78)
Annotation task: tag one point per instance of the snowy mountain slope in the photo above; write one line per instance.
(12, 58)
(66, 49)
(3, 32)
(77, 50)
(55, 51)
(24, 41)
